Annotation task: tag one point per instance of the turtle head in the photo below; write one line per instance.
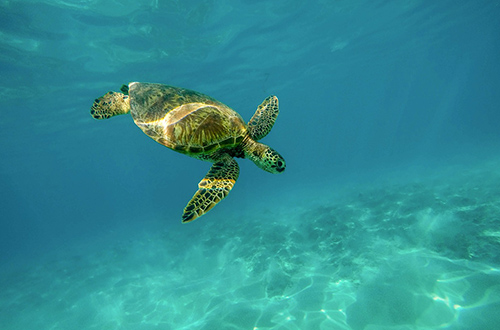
(109, 105)
(265, 157)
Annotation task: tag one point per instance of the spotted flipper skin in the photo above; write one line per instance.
(214, 187)
(109, 105)
(263, 120)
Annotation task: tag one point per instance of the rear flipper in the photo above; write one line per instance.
(109, 105)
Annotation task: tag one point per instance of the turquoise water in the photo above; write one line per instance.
(387, 216)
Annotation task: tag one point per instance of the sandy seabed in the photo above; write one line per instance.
(424, 254)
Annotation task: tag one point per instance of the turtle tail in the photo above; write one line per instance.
(109, 105)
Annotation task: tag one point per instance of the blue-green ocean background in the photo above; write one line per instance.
(387, 216)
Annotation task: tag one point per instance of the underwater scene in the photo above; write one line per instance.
(387, 216)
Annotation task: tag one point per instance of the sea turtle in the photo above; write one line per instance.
(201, 127)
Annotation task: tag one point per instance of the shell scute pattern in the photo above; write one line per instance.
(184, 120)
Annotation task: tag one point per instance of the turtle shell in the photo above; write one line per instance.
(184, 120)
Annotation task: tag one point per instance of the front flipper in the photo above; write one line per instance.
(213, 188)
(263, 120)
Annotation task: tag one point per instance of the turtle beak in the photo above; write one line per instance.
(280, 166)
